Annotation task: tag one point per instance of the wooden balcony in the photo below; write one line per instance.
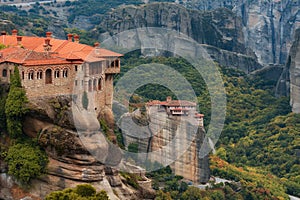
(112, 70)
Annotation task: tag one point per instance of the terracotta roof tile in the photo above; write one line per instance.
(175, 103)
(198, 115)
(63, 48)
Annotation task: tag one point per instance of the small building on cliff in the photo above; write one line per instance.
(51, 67)
(177, 108)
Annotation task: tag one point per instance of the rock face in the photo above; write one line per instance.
(220, 30)
(292, 74)
(70, 163)
(170, 141)
(269, 26)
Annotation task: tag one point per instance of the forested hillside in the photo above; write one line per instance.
(260, 136)
(259, 148)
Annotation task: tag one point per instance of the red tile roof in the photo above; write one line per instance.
(173, 103)
(198, 115)
(179, 109)
(180, 103)
(62, 51)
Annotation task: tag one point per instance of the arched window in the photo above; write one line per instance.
(39, 74)
(65, 73)
(4, 73)
(23, 75)
(48, 76)
(31, 75)
(117, 63)
(56, 73)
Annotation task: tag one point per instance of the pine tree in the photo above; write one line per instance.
(15, 107)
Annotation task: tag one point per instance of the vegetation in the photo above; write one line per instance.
(15, 107)
(82, 192)
(132, 179)
(256, 183)
(86, 37)
(24, 157)
(170, 186)
(95, 7)
(33, 21)
(3, 96)
(260, 132)
(26, 161)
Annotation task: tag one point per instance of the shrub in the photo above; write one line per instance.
(81, 192)
(85, 190)
(26, 162)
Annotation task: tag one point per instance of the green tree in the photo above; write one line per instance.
(160, 195)
(85, 190)
(102, 195)
(81, 192)
(192, 193)
(26, 162)
(15, 106)
(221, 152)
(15, 80)
(3, 97)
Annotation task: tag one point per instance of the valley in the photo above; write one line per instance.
(254, 47)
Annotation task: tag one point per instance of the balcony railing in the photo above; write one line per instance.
(112, 70)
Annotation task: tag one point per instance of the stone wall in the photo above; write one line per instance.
(79, 78)
(61, 84)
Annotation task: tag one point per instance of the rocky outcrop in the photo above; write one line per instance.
(264, 27)
(269, 26)
(168, 140)
(51, 121)
(219, 28)
(220, 31)
(231, 59)
(293, 70)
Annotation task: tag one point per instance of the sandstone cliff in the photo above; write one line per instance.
(170, 141)
(70, 163)
(268, 26)
(291, 77)
(220, 30)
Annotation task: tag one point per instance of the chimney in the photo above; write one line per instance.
(14, 32)
(76, 38)
(3, 33)
(47, 45)
(97, 44)
(47, 41)
(48, 34)
(70, 36)
(19, 40)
